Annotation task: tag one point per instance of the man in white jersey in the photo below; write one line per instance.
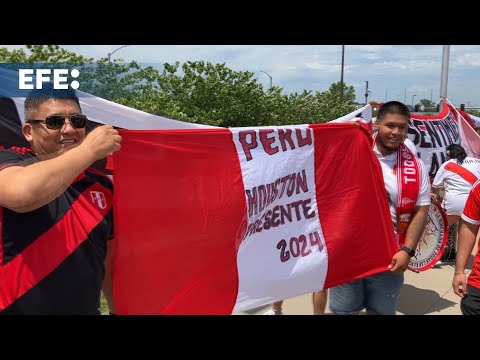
(457, 175)
(408, 189)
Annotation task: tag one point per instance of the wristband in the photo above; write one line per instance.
(409, 251)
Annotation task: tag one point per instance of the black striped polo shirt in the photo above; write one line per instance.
(52, 258)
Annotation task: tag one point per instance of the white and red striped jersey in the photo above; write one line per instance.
(457, 179)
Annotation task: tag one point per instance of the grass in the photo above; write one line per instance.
(103, 306)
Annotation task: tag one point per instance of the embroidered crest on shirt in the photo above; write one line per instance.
(98, 198)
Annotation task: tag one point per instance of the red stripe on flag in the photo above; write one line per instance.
(462, 172)
(47, 252)
(367, 226)
(1, 241)
(195, 201)
(109, 165)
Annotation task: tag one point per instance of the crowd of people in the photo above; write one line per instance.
(58, 260)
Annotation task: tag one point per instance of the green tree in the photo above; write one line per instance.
(198, 91)
(41, 53)
(427, 103)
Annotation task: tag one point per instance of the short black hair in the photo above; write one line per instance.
(37, 97)
(393, 107)
(457, 152)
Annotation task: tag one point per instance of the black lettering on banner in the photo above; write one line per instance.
(444, 134)
(299, 246)
(434, 133)
(431, 137)
(415, 132)
(436, 141)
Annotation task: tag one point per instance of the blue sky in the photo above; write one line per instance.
(391, 71)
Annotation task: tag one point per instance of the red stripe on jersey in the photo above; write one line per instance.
(20, 150)
(472, 211)
(462, 172)
(47, 252)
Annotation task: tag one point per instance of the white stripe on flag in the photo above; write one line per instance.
(279, 256)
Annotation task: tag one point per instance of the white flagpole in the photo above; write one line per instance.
(444, 79)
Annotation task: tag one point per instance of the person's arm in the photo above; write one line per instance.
(26, 188)
(435, 194)
(414, 232)
(438, 183)
(107, 287)
(467, 236)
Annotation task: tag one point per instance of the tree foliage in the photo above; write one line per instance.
(41, 53)
(199, 91)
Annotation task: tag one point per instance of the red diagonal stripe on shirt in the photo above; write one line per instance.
(462, 172)
(47, 252)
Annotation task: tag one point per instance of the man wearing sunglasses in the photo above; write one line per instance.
(55, 212)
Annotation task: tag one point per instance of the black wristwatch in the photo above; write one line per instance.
(409, 251)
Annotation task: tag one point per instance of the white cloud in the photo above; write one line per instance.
(391, 69)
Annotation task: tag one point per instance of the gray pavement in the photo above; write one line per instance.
(426, 293)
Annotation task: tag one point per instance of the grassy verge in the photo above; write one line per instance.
(103, 306)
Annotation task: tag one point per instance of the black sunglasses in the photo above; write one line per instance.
(56, 122)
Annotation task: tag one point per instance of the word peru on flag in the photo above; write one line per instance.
(216, 221)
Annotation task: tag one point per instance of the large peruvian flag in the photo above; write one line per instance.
(215, 221)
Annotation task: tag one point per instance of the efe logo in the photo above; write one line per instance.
(25, 82)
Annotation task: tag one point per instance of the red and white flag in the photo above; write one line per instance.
(215, 221)
(431, 135)
(469, 138)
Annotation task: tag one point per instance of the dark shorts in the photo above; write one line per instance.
(470, 304)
